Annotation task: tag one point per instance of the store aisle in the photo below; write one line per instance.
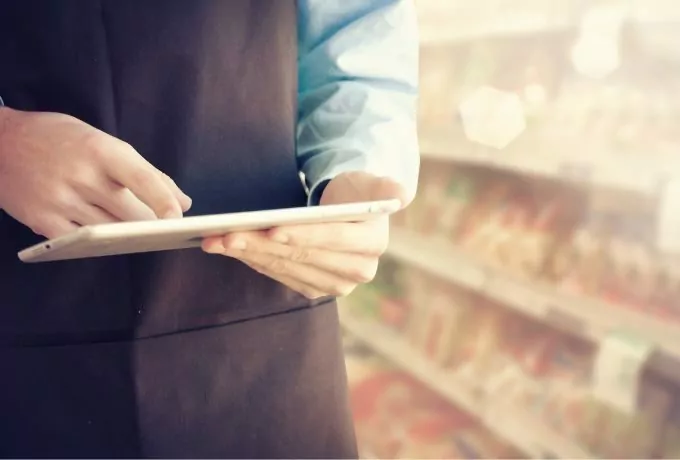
(529, 304)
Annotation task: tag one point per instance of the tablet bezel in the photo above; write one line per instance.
(146, 236)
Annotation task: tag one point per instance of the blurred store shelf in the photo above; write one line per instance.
(586, 318)
(507, 421)
(443, 22)
(559, 160)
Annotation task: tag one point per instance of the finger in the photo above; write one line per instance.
(120, 202)
(370, 237)
(54, 227)
(359, 268)
(323, 281)
(88, 214)
(296, 285)
(130, 169)
(356, 186)
(183, 198)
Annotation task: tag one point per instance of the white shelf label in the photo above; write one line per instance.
(668, 223)
(618, 368)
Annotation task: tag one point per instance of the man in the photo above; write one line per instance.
(233, 351)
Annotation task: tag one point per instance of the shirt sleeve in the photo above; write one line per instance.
(358, 86)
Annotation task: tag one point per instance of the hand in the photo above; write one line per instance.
(58, 173)
(321, 259)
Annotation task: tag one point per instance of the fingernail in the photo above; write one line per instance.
(186, 202)
(237, 244)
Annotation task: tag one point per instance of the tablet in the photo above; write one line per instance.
(188, 232)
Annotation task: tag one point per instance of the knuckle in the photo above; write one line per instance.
(96, 144)
(62, 198)
(125, 146)
(84, 179)
(300, 255)
(143, 177)
(168, 179)
(278, 265)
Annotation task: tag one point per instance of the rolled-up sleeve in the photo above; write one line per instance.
(358, 85)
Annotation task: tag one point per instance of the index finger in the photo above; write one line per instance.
(132, 171)
(370, 237)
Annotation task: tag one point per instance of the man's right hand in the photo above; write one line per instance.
(58, 173)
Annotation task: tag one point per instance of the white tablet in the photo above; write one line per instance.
(187, 232)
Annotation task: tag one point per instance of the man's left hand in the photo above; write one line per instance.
(320, 260)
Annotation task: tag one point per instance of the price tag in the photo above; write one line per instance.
(668, 220)
(618, 368)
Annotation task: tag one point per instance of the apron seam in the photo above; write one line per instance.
(34, 342)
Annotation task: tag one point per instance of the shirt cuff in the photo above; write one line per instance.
(316, 192)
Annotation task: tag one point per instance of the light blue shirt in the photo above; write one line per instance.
(358, 85)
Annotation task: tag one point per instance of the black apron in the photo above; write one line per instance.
(177, 354)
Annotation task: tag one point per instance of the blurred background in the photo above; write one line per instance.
(529, 303)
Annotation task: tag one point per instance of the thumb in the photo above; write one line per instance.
(357, 186)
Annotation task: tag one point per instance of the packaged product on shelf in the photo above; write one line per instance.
(587, 419)
(429, 435)
(392, 305)
(380, 389)
(566, 402)
(642, 279)
(363, 302)
(484, 218)
(581, 265)
(433, 193)
(445, 315)
(459, 195)
(617, 289)
(500, 235)
(621, 267)
(363, 365)
(439, 317)
(638, 434)
(479, 344)
(666, 303)
(417, 289)
(394, 312)
(552, 225)
(397, 418)
(509, 378)
(670, 434)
